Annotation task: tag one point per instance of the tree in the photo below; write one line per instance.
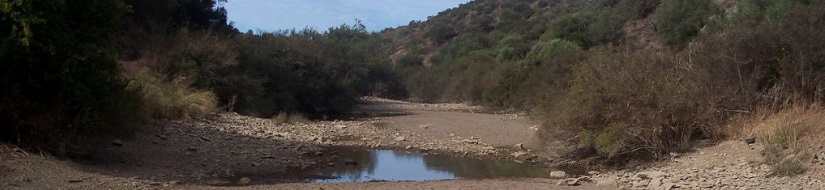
(60, 82)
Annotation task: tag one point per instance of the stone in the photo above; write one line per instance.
(668, 186)
(244, 181)
(400, 138)
(341, 126)
(651, 175)
(593, 173)
(607, 183)
(655, 183)
(519, 155)
(350, 162)
(425, 126)
(557, 174)
(568, 182)
(750, 139)
(330, 164)
(520, 146)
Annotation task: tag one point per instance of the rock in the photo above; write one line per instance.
(330, 164)
(470, 141)
(192, 148)
(651, 175)
(408, 147)
(668, 186)
(452, 135)
(244, 181)
(341, 126)
(607, 183)
(519, 155)
(520, 146)
(425, 126)
(750, 139)
(117, 142)
(557, 174)
(655, 183)
(573, 181)
(400, 138)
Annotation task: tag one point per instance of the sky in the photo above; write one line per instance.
(376, 15)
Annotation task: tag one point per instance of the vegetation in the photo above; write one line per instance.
(78, 74)
(60, 81)
(628, 79)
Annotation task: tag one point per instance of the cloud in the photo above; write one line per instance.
(271, 15)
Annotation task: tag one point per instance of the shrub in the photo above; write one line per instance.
(170, 99)
(787, 132)
(679, 21)
(634, 103)
(61, 90)
(544, 52)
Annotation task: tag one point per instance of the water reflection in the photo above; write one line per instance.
(389, 165)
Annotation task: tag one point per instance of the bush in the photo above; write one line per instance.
(171, 99)
(634, 103)
(544, 52)
(61, 86)
(679, 21)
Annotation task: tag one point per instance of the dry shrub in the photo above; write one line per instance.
(165, 99)
(787, 135)
(624, 104)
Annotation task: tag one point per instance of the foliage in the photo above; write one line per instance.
(61, 85)
(546, 51)
(679, 21)
(170, 99)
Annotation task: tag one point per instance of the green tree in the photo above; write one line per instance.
(680, 20)
(61, 85)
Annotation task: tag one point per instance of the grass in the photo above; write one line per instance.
(170, 99)
(787, 135)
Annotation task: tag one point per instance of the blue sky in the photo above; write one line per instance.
(271, 15)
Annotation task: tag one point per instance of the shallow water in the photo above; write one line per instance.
(391, 165)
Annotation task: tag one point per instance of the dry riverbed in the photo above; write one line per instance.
(234, 151)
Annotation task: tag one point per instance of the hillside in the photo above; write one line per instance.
(626, 78)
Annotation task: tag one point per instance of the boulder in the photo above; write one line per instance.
(557, 174)
(750, 139)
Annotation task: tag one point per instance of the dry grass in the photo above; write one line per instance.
(787, 135)
(163, 99)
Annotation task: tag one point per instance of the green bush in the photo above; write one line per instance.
(62, 90)
(544, 52)
(679, 21)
